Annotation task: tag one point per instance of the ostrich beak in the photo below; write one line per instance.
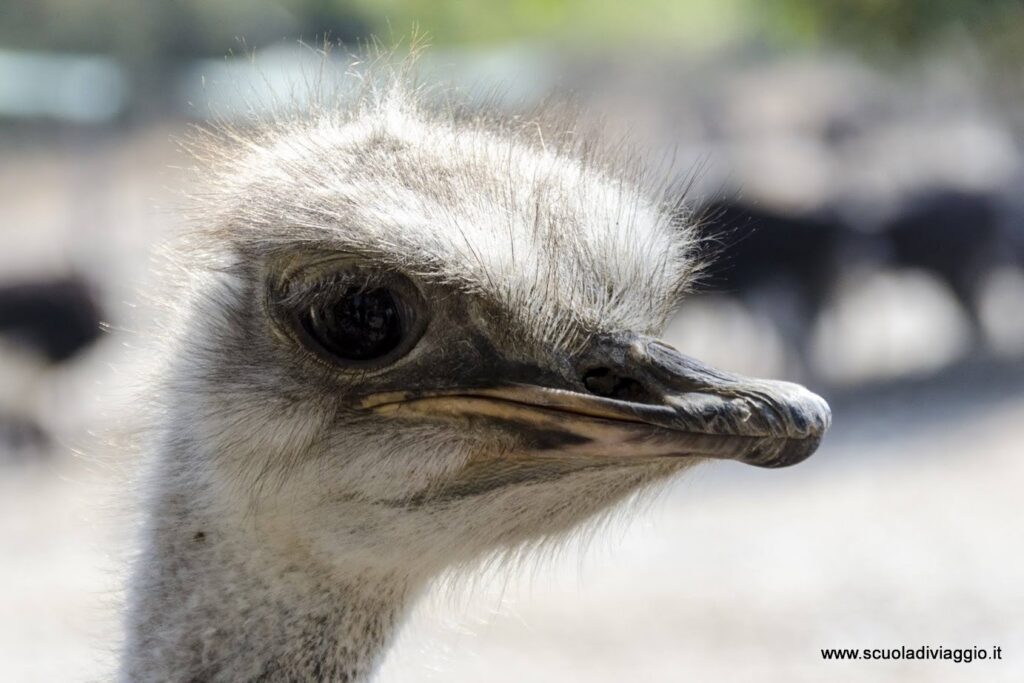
(639, 398)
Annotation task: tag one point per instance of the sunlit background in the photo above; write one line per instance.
(858, 165)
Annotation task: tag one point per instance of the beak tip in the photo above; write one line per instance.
(789, 452)
(811, 417)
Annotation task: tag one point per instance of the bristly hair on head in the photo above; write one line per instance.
(531, 210)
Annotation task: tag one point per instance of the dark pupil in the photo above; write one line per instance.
(360, 325)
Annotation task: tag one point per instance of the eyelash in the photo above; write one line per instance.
(301, 293)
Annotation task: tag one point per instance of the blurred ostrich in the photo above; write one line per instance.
(410, 340)
(54, 318)
(47, 322)
(784, 264)
(956, 236)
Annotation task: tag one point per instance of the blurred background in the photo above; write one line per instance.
(858, 166)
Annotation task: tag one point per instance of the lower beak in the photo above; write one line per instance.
(675, 407)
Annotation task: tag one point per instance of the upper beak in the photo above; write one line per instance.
(640, 398)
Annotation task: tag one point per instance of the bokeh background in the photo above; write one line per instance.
(858, 164)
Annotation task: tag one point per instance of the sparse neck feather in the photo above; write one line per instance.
(212, 601)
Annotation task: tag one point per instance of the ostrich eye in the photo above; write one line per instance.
(358, 325)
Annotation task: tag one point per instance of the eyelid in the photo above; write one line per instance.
(305, 289)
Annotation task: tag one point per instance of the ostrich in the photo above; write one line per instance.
(955, 235)
(410, 338)
(770, 251)
(53, 320)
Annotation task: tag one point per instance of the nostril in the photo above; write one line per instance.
(608, 384)
(599, 381)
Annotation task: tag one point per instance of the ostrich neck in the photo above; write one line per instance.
(212, 601)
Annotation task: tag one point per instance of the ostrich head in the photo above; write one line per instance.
(409, 340)
(423, 339)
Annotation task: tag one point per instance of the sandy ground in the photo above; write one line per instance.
(905, 530)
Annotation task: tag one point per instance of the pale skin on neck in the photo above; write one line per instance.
(228, 598)
(229, 622)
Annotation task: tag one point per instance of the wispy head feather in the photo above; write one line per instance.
(565, 236)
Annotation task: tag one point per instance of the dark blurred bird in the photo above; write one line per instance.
(954, 235)
(758, 249)
(54, 318)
